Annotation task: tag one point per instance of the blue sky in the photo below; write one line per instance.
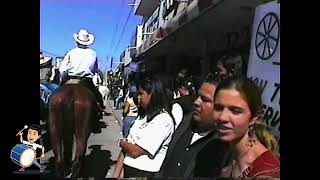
(60, 19)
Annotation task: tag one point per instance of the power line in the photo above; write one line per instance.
(124, 27)
(116, 29)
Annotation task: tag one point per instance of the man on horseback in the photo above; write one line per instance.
(45, 71)
(45, 68)
(81, 63)
(46, 88)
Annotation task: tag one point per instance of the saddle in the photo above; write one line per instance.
(73, 81)
(79, 81)
(99, 113)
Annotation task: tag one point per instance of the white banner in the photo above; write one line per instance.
(264, 61)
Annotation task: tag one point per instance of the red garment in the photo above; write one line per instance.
(267, 164)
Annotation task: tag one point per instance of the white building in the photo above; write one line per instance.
(192, 32)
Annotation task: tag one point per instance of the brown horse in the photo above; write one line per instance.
(72, 111)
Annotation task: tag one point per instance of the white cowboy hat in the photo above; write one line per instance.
(44, 59)
(83, 37)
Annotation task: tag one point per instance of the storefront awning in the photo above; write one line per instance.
(135, 66)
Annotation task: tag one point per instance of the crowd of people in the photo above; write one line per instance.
(180, 131)
(184, 132)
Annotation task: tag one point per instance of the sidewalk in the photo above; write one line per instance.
(116, 112)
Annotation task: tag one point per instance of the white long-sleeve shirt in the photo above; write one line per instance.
(53, 73)
(120, 93)
(79, 62)
(154, 137)
(96, 79)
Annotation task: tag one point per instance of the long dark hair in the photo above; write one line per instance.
(159, 99)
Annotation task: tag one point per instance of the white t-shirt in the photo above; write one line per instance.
(177, 113)
(79, 62)
(120, 93)
(96, 79)
(34, 145)
(154, 137)
(197, 136)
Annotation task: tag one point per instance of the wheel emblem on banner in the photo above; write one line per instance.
(267, 36)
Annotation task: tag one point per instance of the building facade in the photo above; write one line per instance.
(192, 33)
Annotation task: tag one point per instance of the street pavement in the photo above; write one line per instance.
(102, 150)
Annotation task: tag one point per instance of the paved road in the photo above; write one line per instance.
(102, 150)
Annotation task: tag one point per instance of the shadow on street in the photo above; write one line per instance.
(46, 136)
(97, 163)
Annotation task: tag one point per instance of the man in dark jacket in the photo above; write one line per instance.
(195, 132)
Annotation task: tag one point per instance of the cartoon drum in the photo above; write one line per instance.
(23, 155)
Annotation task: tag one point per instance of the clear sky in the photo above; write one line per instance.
(60, 19)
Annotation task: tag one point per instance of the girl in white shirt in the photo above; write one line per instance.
(144, 150)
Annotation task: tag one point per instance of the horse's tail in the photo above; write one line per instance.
(66, 105)
(62, 122)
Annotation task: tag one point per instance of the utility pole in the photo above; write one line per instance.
(111, 62)
(107, 61)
